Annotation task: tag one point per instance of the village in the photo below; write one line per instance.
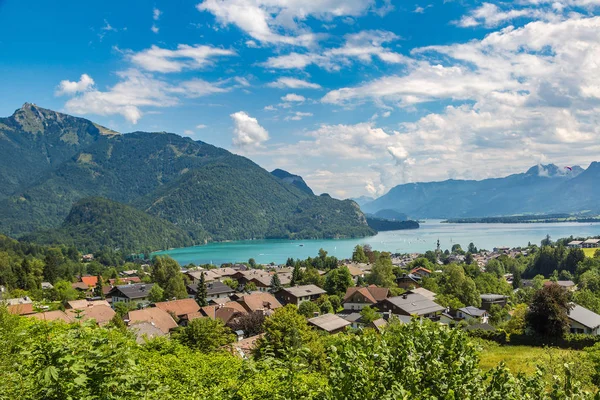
(341, 298)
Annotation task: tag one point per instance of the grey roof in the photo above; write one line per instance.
(212, 288)
(329, 322)
(136, 291)
(492, 297)
(584, 316)
(352, 317)
(424, 292)
(473, 311)
(417, 304)
(305, 290)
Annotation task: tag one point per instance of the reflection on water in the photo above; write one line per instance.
(485, 236)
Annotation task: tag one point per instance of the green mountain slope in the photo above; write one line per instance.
(95, 223)
(291, 179)
(206, 191)
(35, 140)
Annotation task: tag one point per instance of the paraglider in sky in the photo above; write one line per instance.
(569, 168)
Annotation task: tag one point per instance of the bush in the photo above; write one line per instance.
(498, 336)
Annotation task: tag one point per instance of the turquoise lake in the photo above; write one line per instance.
(486, 236)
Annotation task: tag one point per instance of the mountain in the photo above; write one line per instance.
(362, 200)
(206, 191)
(391, 215)
(94, 223)
(294, 180)
(34, 140)
(542, 189)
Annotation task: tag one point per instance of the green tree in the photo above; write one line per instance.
(156, 293)
(308, 309)
(548, 313)
(231, 283)
(369, 315)
(312, 277)
(296, 275)
(358, 255)
(204, 334)
(98, 290)
(252, 263)
(338, 280)
(456, 284)
(167, 273)
(275, 283)
(382, 273)
(586, 298)
(516, 323)
(201, 292)
(472, 249)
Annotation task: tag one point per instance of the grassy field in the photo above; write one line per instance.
(525, 359)
(589, 252)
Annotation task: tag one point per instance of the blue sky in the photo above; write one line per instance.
(354, 95)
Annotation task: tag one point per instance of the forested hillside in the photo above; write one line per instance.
(97, 223)
(208, 192)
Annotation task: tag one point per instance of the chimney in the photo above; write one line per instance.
(404, 296)
(387, 315)
(315, 314)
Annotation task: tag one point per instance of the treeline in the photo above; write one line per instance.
(524, 219)
(382, 225)
(421, 360)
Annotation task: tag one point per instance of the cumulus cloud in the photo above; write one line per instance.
(363, 46)
(157, 59)
(297, 116)
(293, 83)
(247, 132)
(134, 91)
(293, 97)
(156, 13)
(491, 15)
(200, 126)
(68, 87)
(280, 21)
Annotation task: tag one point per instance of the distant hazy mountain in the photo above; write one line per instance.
(49, 161)
(391, 215)
(542, 189)
(362, 200)
(292, 180)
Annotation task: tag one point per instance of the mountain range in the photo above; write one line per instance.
(61, 176)
(543, 189)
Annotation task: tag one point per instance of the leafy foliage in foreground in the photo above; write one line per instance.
(415, 361)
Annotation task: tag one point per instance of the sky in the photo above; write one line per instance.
(356, 96)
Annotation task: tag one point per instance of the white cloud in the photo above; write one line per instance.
(293, 97)
(156, 13)
(491, 15)
(297, 116)
(293, 83)
(67, 87)
(200, 126)
(157, 59)
(280, 21)
(362, 46)
(188, 132)
(137, 90)
(154, 29)
(269, 108)
(247, 132)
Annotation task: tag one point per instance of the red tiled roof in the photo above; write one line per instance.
(52, 316)
(179, 307)
(259, 301)
(101, 313)
(21, 309)
(89, 280)
(159, 318)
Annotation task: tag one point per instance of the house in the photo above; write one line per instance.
(84, 304)
(575, 244)
(19, 305)
(424, 292)
(144, 331)
(591, 243)
(56, 315)
(87, 257)
(357, 298)
(155, 316)
(179, 308)
(409, 281)
(243, 348)
(225, 312)
(355, 272)
(47, 285)
(214, 290)
(125, 280)
(488, 299)
(583, 320)
(422, 272)
(329, 323)
(91, 281)
(379, 324)
(298, 294)
(569, 285)
(353, 317)
(472, 313)
(264, 302)
(137, 293)
(101, 313)
(411, 304)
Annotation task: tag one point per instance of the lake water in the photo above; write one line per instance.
(486, 236)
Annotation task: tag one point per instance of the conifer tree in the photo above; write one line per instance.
(98, 291)
(275, 283)
(201, 295)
